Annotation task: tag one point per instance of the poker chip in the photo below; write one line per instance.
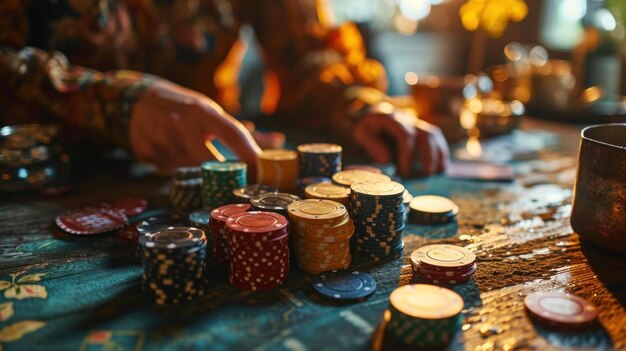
(155, 223)
(443, 264)
(444, 257)
(368, 168)
(130, 206)
(378, 213)
(275, 202)
(344, 285)
(321, 235)
(431, 209)
(200, 219)
(183, 173)
(128, 233)
(186, 194)
(173, 264)
(303, 183)
(406, 200)
(328, 191)
(424, 316)
(348, 177)
(217, 229)
(560, 310)
(278, 168)
(319, 159)
(244, 194)
(91, 220)
(258, 248)
(219, 179)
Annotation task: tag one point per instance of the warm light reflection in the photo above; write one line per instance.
(213, 150)
(514, 51)
(592, 94)
(473, 147)
(386, 107)
(410, 78)
(404, 25)
(475, 105)
(492, 16)
(467, 118)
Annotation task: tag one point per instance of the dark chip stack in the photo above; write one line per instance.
(379, 218)
(186, 189)
(219, 179)
(174, 264)
(244, 194)
(273, 202)
(319, 160)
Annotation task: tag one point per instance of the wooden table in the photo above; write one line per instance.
(68, 293)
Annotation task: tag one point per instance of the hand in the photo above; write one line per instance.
(170, 125)
(414, 141)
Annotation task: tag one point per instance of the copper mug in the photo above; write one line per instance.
(599, 203)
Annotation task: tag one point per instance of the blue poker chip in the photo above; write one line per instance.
(344, 285)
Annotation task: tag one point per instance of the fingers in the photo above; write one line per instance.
(230, 132)
(365, 135)
(402, 130)
(433, 148)
(427, 153)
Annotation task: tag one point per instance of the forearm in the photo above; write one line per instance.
(43, 87)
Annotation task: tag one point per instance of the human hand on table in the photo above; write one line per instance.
(170, 125)
(381, 134)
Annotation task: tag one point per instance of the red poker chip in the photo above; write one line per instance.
(130, 206)
(222, 213)
(257, 222)
(253, 238)
(560, 309)
(128, 233)
(91, 220)
(448, 274)
(443, 258)
(440, 281)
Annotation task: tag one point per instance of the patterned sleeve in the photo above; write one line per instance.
(91, 106)
(312, 61)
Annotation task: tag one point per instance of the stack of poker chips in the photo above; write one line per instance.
(321, 235)
(273, 202)
(432, 209)
(354, 176)
(328, 191)
(278, 168)
(406, 200)
(173, 264)
(200, 219)
(217, 229)
(244, 194)
(186, 189)
(258, 244)
(319, 160)
(378, 214)
(305, 182)
(424, 316)
(443, 264)
(219, 179)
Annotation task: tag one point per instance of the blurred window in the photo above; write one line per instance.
(561, 27)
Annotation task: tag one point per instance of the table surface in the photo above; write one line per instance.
(67, 293)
